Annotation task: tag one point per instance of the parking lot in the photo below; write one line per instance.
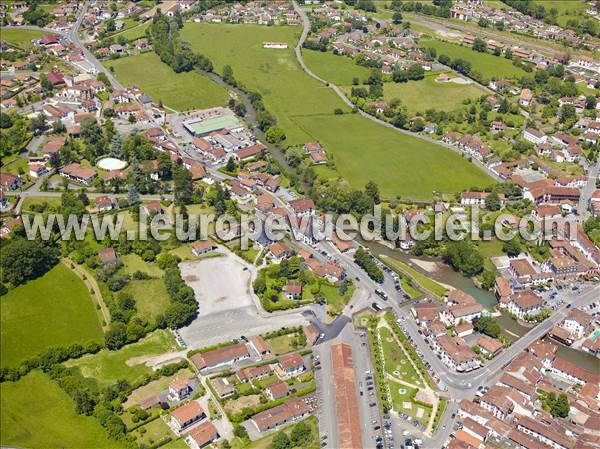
(226, 306)
(219, 283)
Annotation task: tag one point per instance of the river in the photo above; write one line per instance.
(444, 274)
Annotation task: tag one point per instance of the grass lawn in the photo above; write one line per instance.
(397, 364)
(418, 277)
(20, 38)
(176, 444)
(335, 302)
(134, 32)
(485, 63)
(154, 432)
(263, 443)
(402, 394)
(409, 289)
(53, 310)
(154, 387)
(151, 297)
(282, 344)
(133, 263)
(418, 96)
(18, 167)
(178, 91)
(126, 363)
(28, 201)
(339, 70)
(36, 413)
(362, 150)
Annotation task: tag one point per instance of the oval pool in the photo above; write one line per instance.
(111, 163)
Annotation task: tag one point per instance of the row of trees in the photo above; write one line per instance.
(364, 260)
(173, 50)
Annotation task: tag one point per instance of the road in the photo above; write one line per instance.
(586, 192)
(346, 100)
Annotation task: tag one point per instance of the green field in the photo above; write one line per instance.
(128, 362)
(133, 262)
(361, 149)
(180, 91)
(485, 63)
(55, 309)
(399, 164)
(567, 9)
(134, 32)
(151, 297)
(288, 92)
(20, 38)
(339, 70)
(418, 96)
(36, 413)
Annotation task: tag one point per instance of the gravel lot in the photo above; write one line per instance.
(220, 283)
(227, 309)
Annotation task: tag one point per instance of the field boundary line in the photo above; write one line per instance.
(90, 283)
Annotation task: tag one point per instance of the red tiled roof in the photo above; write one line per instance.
(187, 412)
(204, 433)
(346, 401)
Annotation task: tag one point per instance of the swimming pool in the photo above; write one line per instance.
(111, 163)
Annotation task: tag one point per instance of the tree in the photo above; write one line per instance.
(293, 157)
(492, 202)
(512, 247)
(240, 432)
(590, 102)
(280, 441)
(463, 256)
(182, 185)
(488, 326)
(397, 18)
(400, 76)
(416, 72)
(560, 407)
(301, 435)
(133, 197)
(23, 260)
(265, 120)
(228, 75)
(567, 112)
(240, 109)
(110, 25)
(5, 121)
(37, 122)
(45, 83)
(231, 165)
(479, 45)
(372, 191)
(116, 336)
(375, 91)
(275, 135)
